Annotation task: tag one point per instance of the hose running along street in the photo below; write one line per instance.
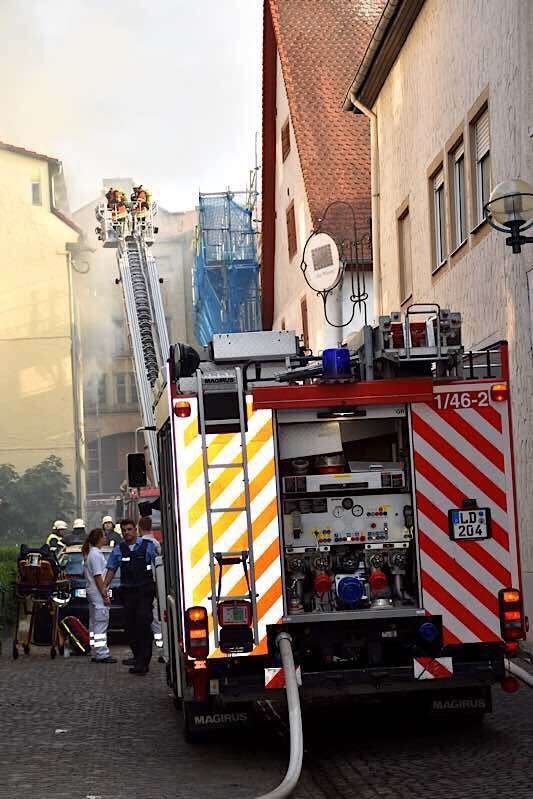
(519, 672)
(295, 722)
(142, 304)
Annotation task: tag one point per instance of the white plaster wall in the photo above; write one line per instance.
(456, 50)
(289, 284)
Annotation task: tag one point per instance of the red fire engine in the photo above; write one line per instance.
(362, 502)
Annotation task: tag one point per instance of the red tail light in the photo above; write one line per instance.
(197, 633)
(182, 409)
(512, 620)
(499, 392)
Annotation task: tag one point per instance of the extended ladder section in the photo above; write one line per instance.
(146, 323)
(222, 559)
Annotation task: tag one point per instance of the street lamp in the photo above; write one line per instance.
(510, 210)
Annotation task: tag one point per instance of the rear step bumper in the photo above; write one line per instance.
(367, 682)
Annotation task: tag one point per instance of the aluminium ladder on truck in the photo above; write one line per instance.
(242, 557)
(145, 314)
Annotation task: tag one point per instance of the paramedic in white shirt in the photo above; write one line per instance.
(97, 595)
(145, 532)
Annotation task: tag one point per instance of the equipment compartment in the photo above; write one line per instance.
(349, 542)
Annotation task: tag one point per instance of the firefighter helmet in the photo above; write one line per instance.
(60, 525)
(78, 523)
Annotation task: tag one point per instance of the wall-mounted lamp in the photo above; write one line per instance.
(510, 210)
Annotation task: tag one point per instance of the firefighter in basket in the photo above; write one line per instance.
(141, 199)
(116, 203)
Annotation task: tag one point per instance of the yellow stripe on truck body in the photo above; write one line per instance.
(229, 529)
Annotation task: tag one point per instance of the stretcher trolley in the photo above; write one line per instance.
(40, 589)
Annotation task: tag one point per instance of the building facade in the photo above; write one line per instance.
(316, 165)
(111, 408)
(40, 371)
(449, 92)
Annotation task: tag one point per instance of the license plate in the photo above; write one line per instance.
(80, 592)
(469, 525)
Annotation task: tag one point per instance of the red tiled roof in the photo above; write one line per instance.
(320, 45)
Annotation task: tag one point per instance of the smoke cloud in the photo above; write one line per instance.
(166, 90)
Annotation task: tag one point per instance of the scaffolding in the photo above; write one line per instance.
(226, 294)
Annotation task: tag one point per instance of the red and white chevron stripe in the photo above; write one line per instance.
(458, 454)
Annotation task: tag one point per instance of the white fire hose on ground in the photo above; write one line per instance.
(294, 769)
(295, 722)
(519, 672)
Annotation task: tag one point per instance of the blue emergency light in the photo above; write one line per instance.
(336, 363)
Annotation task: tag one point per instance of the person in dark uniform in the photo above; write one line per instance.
(136, 559)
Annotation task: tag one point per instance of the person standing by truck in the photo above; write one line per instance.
(97, 595)
(136, 559)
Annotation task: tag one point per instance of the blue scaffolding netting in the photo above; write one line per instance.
(226, 273)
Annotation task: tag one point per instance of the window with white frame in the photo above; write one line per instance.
(458, 195)
(439, 220)
(481, 141)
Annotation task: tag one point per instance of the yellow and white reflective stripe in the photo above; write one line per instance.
(229, 529)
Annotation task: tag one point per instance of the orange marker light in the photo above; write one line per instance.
(511, 596)
(197, 614)
(499, 392)
(182, 409)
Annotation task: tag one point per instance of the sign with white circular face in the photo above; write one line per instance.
(323, 262)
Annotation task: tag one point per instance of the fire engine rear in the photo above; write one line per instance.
(362, 502)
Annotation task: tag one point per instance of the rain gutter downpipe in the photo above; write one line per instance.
(375, 197)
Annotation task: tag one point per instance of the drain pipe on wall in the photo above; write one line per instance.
(375, 195)
(294, 769)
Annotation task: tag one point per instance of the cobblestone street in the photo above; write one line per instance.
(72, 730)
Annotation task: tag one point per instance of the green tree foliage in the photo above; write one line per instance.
(31, 502)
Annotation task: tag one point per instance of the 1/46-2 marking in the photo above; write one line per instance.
(461, 399)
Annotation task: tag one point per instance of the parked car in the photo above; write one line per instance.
(72, 563)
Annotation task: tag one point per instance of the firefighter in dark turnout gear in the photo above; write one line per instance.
(136, 559)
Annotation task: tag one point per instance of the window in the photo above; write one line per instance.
(305, 323)
(481, 145)
(285, 140)
(439, 220)
(291, 231)
(404, 241)
(458, 196)
(36, 192)
(121, 343)
(102, 392)
(120, 385)
(133, 389)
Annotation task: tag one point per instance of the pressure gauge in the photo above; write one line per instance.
(357, 510)
(347, 503)
(338, 511)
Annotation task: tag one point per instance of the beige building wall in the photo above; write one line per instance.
(290, 287)
(38, 336)
(457, 56)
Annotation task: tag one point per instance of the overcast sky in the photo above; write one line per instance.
(165, 91)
